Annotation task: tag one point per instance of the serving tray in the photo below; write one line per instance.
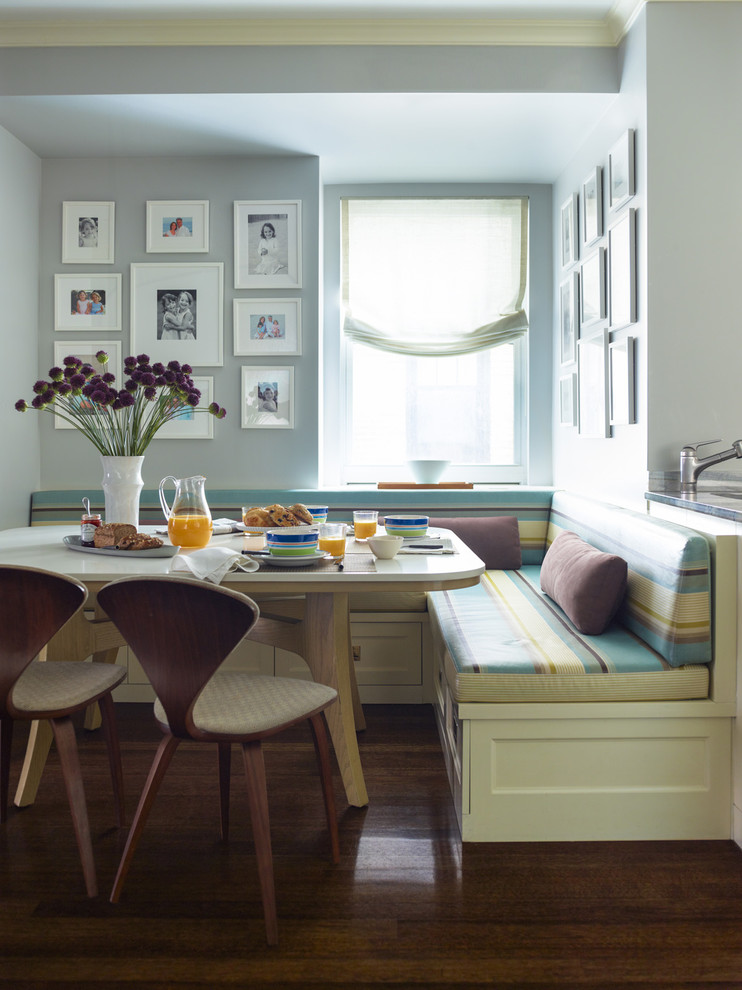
(166, 550)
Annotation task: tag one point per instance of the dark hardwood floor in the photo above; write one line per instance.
(406, 907)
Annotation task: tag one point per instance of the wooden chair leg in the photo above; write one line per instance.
(318, 724)
(257, 793)
(6, 741)
(110, 731)
(225, 769)
(157, 771)
(64, 735)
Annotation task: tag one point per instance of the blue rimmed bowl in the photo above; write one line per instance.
(293, 541)
(318, 513)
(406, 525)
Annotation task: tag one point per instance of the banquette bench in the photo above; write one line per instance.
(550, 733)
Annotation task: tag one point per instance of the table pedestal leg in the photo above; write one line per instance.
(327, 651)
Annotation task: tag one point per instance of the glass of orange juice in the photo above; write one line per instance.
(189, 530)
(332, 539)
(364, 523)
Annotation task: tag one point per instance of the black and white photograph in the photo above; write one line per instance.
(87, 302)
(267, 244)
(177, 312)
(177, 226)
(87, 232)
(267, 398)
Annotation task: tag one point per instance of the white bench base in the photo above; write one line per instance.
(541, 773)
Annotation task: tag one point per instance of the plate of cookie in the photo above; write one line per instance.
(116, 539)
(259, 519)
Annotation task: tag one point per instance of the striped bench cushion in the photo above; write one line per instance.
(503, 640)
(668, 598)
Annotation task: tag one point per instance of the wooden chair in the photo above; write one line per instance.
(34, 605)
(181, 630)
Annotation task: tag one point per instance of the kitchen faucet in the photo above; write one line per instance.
(691, 464)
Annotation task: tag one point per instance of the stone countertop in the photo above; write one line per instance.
(725, 503)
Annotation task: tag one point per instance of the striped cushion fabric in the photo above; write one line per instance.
(668, 598)
(506, 641)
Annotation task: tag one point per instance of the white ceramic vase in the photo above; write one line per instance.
(122, 485)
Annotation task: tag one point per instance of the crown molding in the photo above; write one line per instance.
(75, 33)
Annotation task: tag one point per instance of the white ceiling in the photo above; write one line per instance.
(374, 137)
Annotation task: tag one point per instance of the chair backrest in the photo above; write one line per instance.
(181, 631)
(34, 605)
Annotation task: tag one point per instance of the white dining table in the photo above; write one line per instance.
(303, 609)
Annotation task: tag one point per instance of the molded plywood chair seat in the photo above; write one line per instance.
(34, 605)
(181, 631)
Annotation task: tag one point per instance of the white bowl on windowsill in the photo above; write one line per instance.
(427, 472)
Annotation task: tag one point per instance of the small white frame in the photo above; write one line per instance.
(267, 326)
(86, 351)
(193, 215)
(569, 231)
(569, 294)
(192, 423)
(592, 206)
(621, 360)
(592, 371)
(592, 289)
(621, 171)
(79, 249)
(568, 399)
(67, 313)
(622, 270)
(254, 382)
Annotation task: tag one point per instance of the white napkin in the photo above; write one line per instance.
(213, 563)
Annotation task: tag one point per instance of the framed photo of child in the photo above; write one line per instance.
(267, 398)
(87, 233)
(267, 244)
(87, 302)
(177, 312)
(178, 226)
(267, 326)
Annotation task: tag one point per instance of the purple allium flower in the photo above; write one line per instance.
(101, 357)
(142, 358)
(56, 374)
(21, 405)
(150, 393)
(78, 380)
(147, 379)
(126, 399)
(40, 386)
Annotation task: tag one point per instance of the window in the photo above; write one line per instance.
(433, 326)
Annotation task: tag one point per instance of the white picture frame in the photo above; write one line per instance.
(88, 232)
(621, 171)
(255, 382)
(193, 332)
(622, 270)
(623, 396)
(569, 228)
(592, 206)
(265, 260)
(569, 294)
(592, 376)
(593, 306)
(267, 326)
(86, 351)
(191, 215)
(87, 302)
(568, 399)
(192, 423)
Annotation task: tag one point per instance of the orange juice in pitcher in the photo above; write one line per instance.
(189, 521)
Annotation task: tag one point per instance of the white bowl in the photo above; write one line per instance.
(385, 547)
(427, 472)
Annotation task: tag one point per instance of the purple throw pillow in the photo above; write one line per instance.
(586, 583)
(494, 539)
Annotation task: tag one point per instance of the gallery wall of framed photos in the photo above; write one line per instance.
(598, 296)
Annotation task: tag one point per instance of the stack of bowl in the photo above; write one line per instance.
(406, 525)
(293, 541)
